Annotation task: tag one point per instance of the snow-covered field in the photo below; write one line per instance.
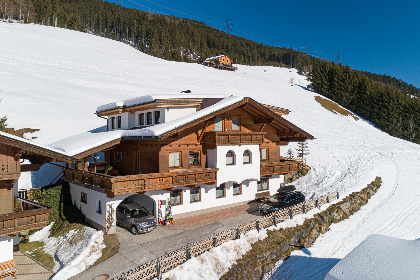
(53, 79)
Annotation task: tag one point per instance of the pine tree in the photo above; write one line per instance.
(290, 154)
(302, 150)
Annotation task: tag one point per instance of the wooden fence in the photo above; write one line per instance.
(157, 267)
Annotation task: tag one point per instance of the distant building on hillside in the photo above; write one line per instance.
(220, 62)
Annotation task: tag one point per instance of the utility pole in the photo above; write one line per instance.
(337, 58)
(228, 25)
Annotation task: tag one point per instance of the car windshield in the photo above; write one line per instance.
(276, 198)
(140, 212)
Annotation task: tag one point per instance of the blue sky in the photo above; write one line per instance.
(377, 36)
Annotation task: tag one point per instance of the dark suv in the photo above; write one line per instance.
(135, 217)
(281, 200)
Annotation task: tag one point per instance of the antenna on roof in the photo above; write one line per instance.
(186, 91)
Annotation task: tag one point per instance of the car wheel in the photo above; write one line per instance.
(134, 230)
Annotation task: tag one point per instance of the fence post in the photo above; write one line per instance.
(159, 275)
(188, 253)
(304, 208)
(291, 213)
(316, 203)
(238, 233)
(214, 241)
(258, 225)
(338, 196)
(328, 199)
(275, 220)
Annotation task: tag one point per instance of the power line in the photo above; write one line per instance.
(228, 25)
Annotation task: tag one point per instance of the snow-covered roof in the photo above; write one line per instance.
(88, 140)
(151, 98)
(215, 57)
(380, 257)
(32, 143)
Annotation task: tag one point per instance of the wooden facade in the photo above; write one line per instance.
(280, 168)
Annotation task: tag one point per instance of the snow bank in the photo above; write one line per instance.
(380, 257)
(73, 252)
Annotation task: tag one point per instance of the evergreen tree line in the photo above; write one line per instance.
(381, 99)
(17, 10)
(385, 105)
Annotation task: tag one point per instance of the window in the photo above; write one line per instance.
(83, 197)
(113, 122)
(174, 159)
(195, 195)
(237, 188)
(141, 119)
(262, 185)
(218, 124)
(220, 191)
(264, 154)
(235, 124)
(176, 197)
(119, 157)
(99, 207)
(157, 117)
(247, 156)
(119, 121)
(194, 158)
(230, 158)
(149, 118)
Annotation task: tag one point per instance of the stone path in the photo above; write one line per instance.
(28, 269)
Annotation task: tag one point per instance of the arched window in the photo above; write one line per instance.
(247, 156)
(230, 158)
(98, 207)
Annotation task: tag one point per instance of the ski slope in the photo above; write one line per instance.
(54, 79)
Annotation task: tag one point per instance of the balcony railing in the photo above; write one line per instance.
(27, 216)
(280, 168)
(143, 182)
(212, 139)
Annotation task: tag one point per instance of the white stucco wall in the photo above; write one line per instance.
(124, 121)
(176, 113)
(6, 248)
(239, 172)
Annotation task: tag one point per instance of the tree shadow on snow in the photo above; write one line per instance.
(304, 268)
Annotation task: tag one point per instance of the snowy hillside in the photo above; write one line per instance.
(53, 79)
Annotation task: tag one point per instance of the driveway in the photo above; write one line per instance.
(139, 249)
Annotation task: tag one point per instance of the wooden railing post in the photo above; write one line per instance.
(316, 203)
(258, 225)
(188, 253)
(214, 241)
(275, 220)
(290, 213)
(304, 208)
(238, 233)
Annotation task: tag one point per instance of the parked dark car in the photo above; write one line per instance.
(135, 217)
(281, 200)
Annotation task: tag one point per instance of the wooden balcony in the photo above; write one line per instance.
(143, 182)
(212, 139)
(27, 216)
(281, 168)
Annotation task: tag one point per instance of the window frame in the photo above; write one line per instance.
(222, 121)
(112, 122)
(156, 115)
(260, 183)
(147, 118)
(141, 119)
(266, 154)
(180, 197)
(198, 159)
(249, 157)
(224, 190)
(119, 121)
(199, 195)
(240, 189)
(83, 197)
(180, 160)
(233, 158)
(239, 123)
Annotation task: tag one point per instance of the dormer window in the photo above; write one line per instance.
(141, 119)
(157, 117)
(149, 118)
(119, 121)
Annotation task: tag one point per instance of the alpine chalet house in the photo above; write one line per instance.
(201, 152)
(219, 62)
(16, 214)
